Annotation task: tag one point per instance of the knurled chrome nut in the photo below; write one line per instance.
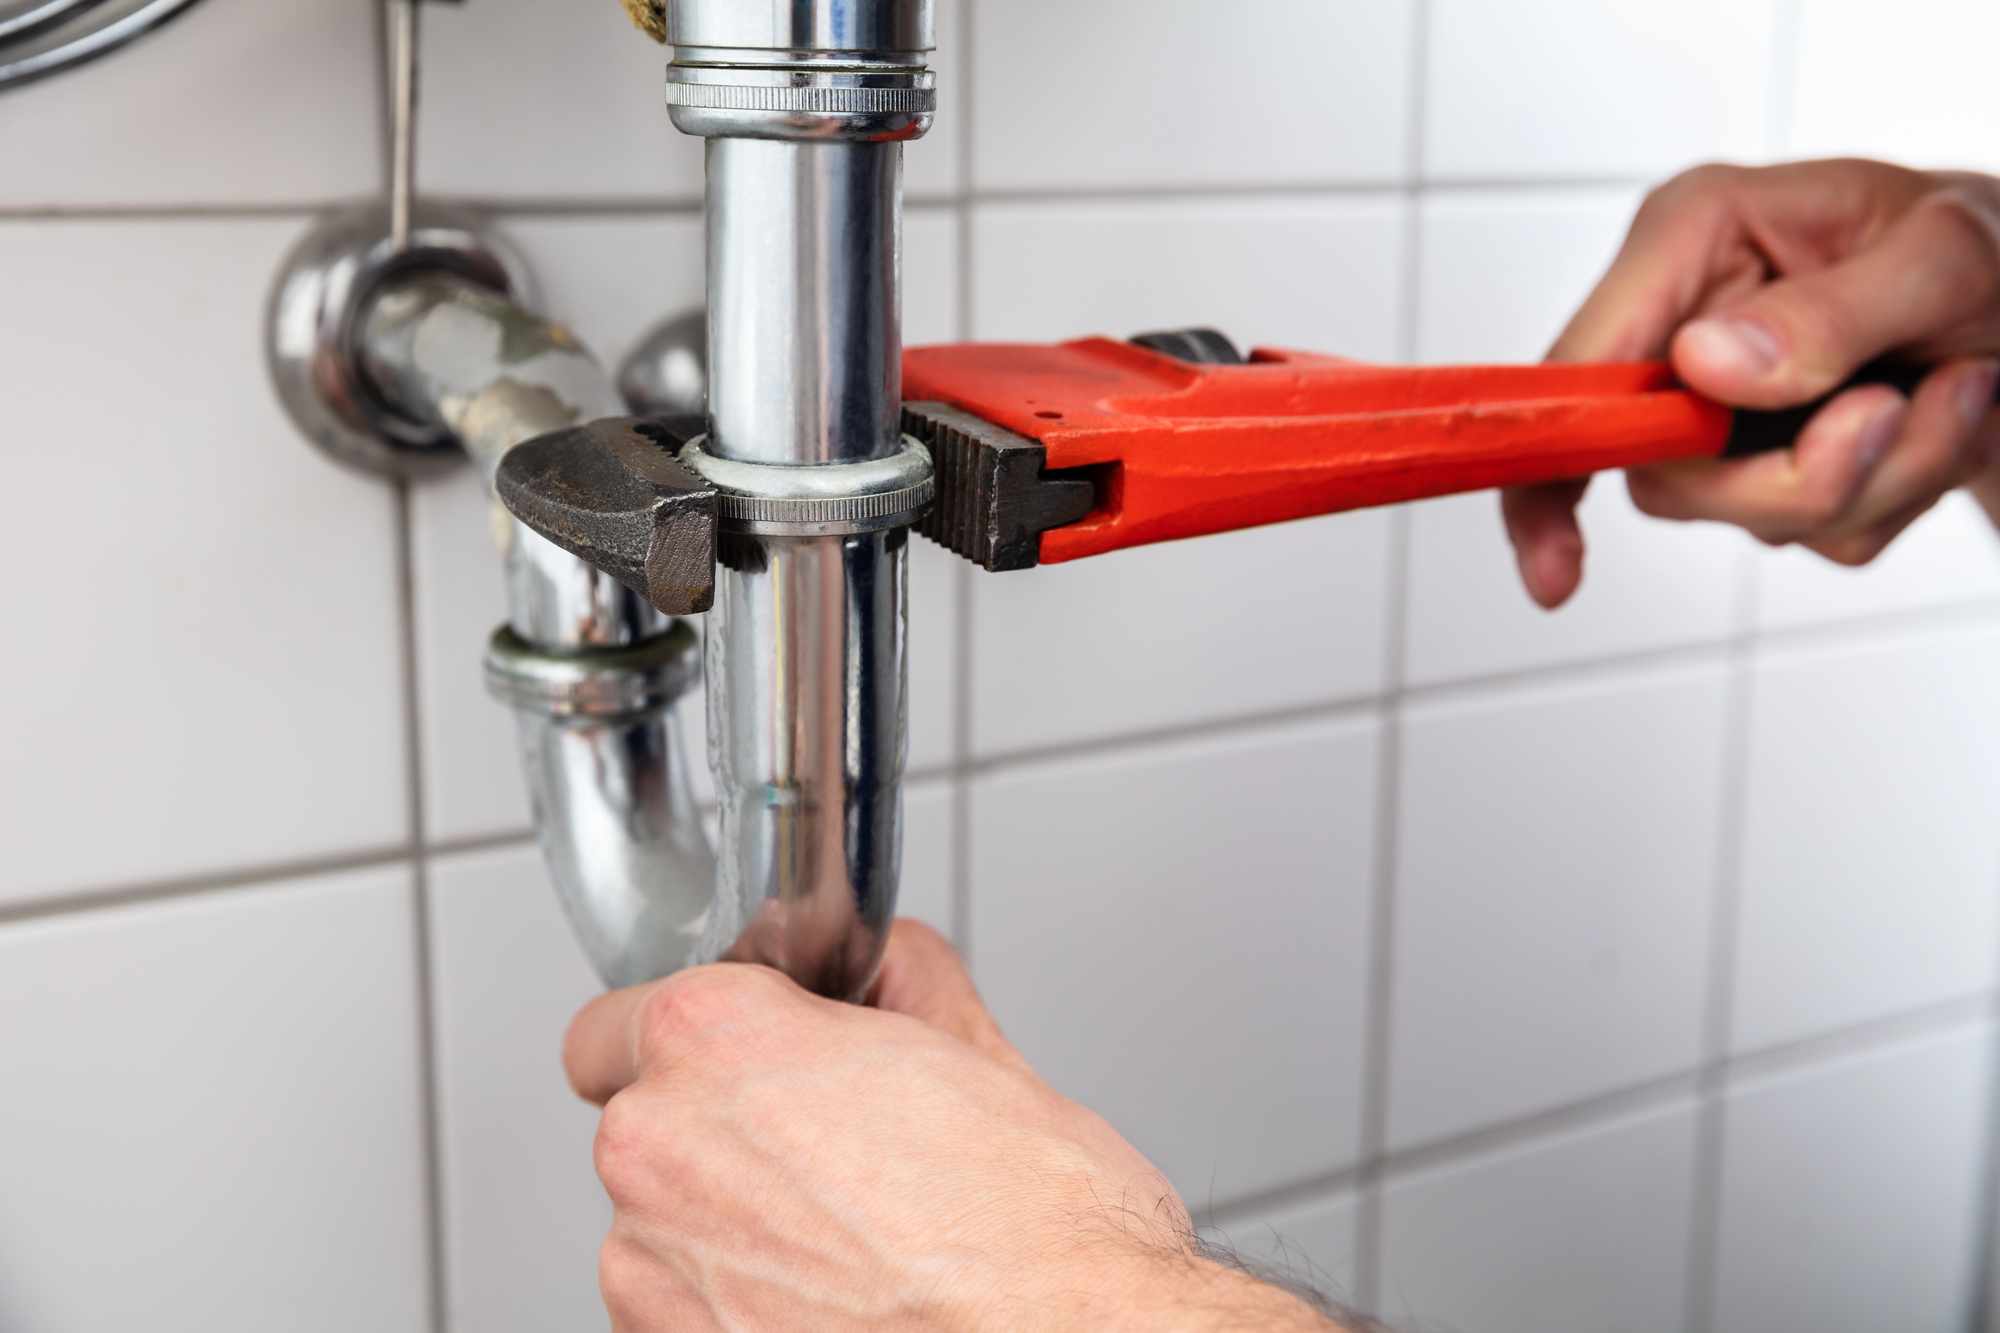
(828, 500)
(874, 106)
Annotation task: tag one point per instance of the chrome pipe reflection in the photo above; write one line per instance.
(807, 657)
(591, 670)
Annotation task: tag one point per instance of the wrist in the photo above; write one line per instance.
(1137, 1285)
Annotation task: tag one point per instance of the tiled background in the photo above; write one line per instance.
(1628, 969)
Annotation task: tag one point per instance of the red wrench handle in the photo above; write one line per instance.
(1181, 449)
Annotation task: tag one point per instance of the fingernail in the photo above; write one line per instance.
(1879, 432)
(1736, 346)
(1975, 392)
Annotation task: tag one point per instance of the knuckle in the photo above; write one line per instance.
(624, 1276)
(1963, 226)
(1654, 497)
(683, 1007)
(1700, 181)
(618, 1148)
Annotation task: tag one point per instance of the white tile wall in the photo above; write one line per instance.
(1124, 93)
(1578, 88)
(1279, 618)
(1851, 1192)
(1912, 90)
(211, 1117)
(1871, 854)
(1114, 934)
(224, 600)
(1183, 931)
(1554, 844)
(1589, 1231)
(523, 1214)
(242, 102)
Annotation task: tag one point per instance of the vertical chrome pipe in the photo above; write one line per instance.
(805, 340)
(806, 106)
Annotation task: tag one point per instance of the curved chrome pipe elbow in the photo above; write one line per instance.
(591, 670)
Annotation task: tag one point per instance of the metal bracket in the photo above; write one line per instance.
(324, 286)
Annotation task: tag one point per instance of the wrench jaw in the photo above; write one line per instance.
(615, 494)
(995, 495)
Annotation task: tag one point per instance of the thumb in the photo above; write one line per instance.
(1932, 274)
(922, 976)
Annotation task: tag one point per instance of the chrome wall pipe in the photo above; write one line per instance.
(591, 671)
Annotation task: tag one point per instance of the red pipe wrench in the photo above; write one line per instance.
(1046, 453)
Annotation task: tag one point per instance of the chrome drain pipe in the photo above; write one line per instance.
(806, 107)
(590, 669)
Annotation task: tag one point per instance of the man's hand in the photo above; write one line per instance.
(1769, 288)
(776, 1160)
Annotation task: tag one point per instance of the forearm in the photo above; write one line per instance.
(1167, 1289)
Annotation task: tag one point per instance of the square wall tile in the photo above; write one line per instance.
(1121, 93)
(216, 1114)
(1568, 88)
(582, 111)
(524, 1214)
(1186, 632)
(1312, 1246)
(1951, 556)
(235, 102)
(1588, 1231)
(1871, 854)
(1851, 1192)
(1916, 90)
(1324, 275)
(1224, 626)
(611, 278)
(228, 690)
(1501, 272)
(1178, 938)
(523, 99)
(1647, 585)
(1556, 868)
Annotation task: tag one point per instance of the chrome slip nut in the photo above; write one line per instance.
(830, 500)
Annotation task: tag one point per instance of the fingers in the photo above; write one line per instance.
(1791, 494)
(923, 977)
(1940, 447)
(618, 1037)
(1865, 468)
(1933, 274)
(1548, 543)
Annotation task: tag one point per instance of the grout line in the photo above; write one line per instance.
(1983, 1301)
(1869, 630)
(480, 842)
(430, 1094)
(1378, 1056)
(296, 209)
(1797, 1053)
(1541, 1128)
(1858, 632)
(79, 902)
(560, 206)
(1725, 907)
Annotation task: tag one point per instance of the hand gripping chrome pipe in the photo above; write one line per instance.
(806, 107)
